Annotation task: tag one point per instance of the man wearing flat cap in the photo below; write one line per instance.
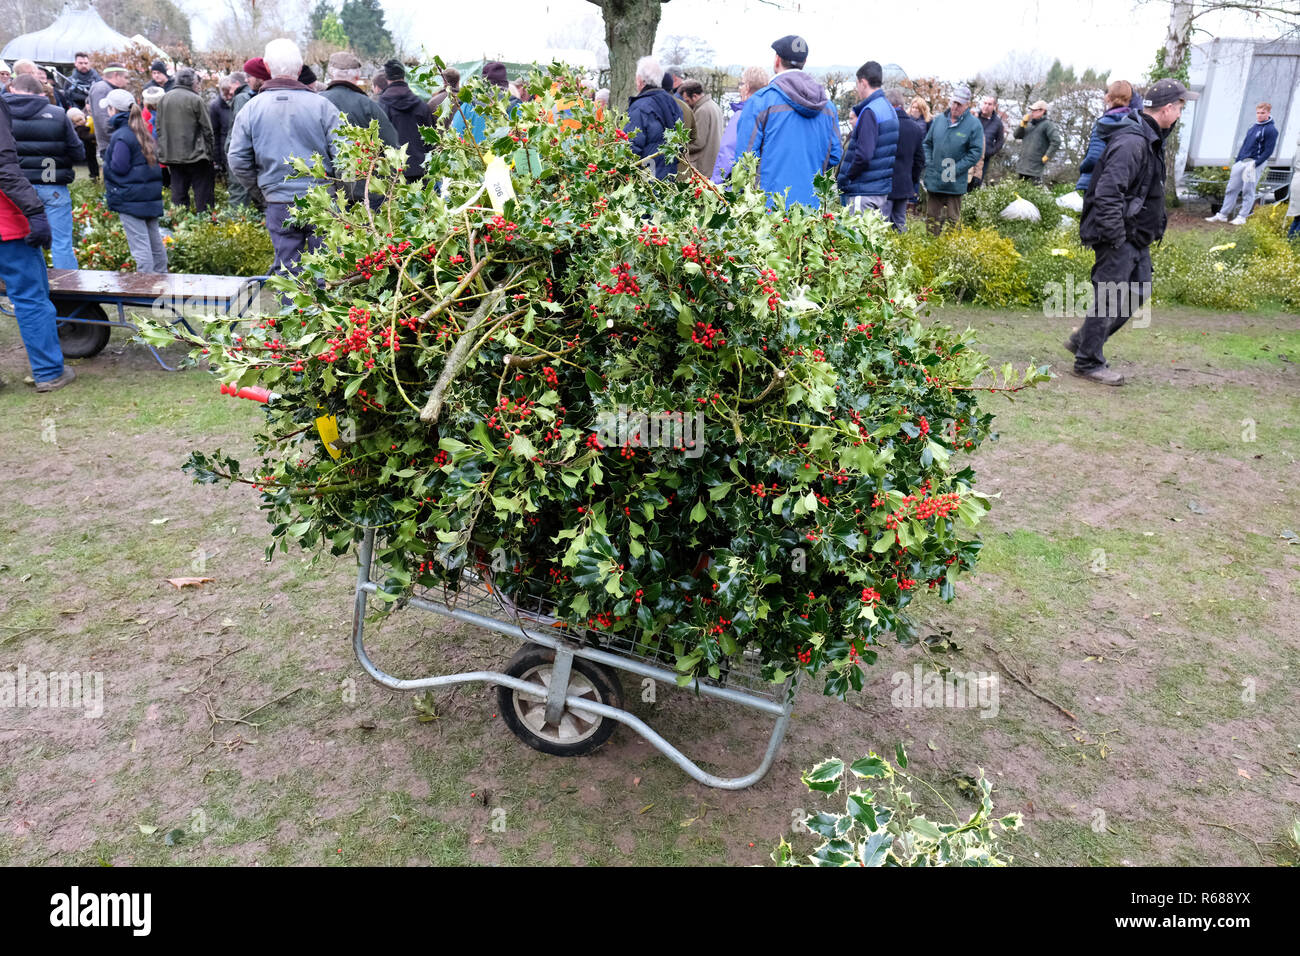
(1041, 141)
(358, 109)
(1123, 213)
(408, 113)
(791, 125)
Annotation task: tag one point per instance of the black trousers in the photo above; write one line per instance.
(1121, 287)
(200, 178)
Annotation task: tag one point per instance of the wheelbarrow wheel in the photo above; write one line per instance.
(575, 734)
(78, 339)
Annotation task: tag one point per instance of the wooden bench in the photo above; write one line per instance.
(80, 295)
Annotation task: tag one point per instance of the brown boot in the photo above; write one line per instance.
(1103, 375)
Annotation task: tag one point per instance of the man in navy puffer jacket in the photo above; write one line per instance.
(867, 170)
(48, 146)
(651, 113)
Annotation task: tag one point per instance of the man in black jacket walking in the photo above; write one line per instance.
(407, 112)
(1123, 213)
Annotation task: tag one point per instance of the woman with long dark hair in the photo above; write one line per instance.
(133, 181)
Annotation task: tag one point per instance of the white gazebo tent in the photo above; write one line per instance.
(77, 28)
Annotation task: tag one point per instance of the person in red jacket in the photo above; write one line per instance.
(24, 232)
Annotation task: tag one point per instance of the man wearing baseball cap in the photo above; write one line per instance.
(1123, 213)
(1041, 141)
(791, 125)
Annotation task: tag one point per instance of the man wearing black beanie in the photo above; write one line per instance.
(408, 113)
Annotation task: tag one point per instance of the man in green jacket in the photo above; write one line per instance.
(186, 144)
(953, 145)
(1041, 141)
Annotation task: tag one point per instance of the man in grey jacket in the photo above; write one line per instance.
(186, 144)
(286, 120)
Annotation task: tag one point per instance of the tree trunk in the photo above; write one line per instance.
(1177, 41)
(1179, 36)
(630, 27)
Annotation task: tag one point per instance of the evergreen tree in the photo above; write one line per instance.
(316, 19)
(363, 24)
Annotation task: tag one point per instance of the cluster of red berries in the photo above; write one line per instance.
(626, 281)
(552, 377)
(357, 340)
(499, 228)
(870, 595)
(722, 625)
(920, 507)
(707, 335)
(522, 407)
(767, 283)
(440, 459)
(650, 237)
(381, 259)
(803, 656)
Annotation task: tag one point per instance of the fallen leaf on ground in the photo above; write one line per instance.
(645, 808)
(1242, 773)
(147, 830)
(160, 520)
(179, 583)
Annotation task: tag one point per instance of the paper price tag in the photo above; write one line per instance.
(497, 179)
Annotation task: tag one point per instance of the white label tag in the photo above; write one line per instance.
(497, 180)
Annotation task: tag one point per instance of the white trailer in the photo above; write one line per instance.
(1233, 75)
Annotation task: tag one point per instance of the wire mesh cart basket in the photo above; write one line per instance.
(561, 693)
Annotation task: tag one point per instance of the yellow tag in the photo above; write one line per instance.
(497, 180)
(328, 429)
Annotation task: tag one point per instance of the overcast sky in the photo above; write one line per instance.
(950, 40)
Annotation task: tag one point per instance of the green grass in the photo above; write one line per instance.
(1149, 650)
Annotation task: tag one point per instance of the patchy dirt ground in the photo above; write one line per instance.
(1139, 601)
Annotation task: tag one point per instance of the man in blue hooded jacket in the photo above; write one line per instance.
(1255, 150)
(867, 170)
(791, 125)
(651, 113)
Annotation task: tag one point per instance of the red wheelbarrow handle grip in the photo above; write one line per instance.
(252, 394)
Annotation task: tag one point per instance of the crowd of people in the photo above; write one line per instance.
(275, 109)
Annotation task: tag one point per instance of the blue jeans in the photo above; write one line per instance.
(1294, 231)
(28, 287)
(58, 210)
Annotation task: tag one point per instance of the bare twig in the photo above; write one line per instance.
(1021, 681)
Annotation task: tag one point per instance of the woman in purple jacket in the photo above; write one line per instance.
(754, 78)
